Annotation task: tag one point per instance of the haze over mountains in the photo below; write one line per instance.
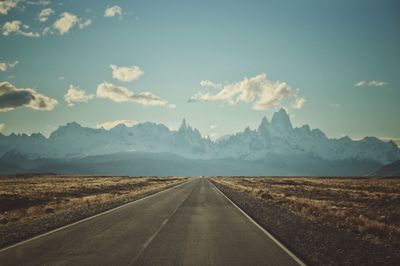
(274, 148)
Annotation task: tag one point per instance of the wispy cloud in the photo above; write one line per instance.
(12, 97)
(15, 27)
(121, 94)
(258, 91)
(44, 14)
(213, 136)
(213, 126)
(113, 11)
(11, 26)
(298, 103)
(372, 83)
(210, 84)
(111, 124)
(7, 5)
(39, 2)
(7, 66)
(67, 21)
(74, 95)
(334, 105)
(126, 73)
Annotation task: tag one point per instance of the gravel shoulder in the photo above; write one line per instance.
(313, 242)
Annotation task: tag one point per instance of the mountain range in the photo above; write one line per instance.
(274, 148)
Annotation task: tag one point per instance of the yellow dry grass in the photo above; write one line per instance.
(368, 207)
(24, 198)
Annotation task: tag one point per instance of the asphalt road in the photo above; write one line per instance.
(192, 224)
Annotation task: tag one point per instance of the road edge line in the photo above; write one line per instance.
(294, 257)
(88, 218)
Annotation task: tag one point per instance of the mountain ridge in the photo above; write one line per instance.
(275, 137)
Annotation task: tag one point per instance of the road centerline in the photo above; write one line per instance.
(151, 238)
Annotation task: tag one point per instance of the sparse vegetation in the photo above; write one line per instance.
(29, 200)
(367, 209)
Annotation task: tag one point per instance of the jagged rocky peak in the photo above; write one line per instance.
(346, 138)
(186, 130)
(371, 140)
(264, 124)
(280, 124)
(120, 126)
(393, 144)
(303, 131)
(183, 125)
(186, 127)
(37, 136)
(281, 118)
(317, 133)
(263, 128)
(72, 125)
(247, 130)
(68, 129)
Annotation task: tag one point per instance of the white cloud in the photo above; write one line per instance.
(15, 27)
(360, 84)
(334, 105)
(84, 23)
(67, 21)
(11, 26)
(39, 3)
(12, 97)
(213, 126)
(258, 91)
(44, 14)
(210, 84)
(111, 124)
(298, 103)
(2, 127)
(372, 83)
(74, 95)
(47, 30)
(30, 34)
(113, 11)
(376, 83)
(7, 5)
(126, 73)
(121, 94)
(213, 136)
(6, 66)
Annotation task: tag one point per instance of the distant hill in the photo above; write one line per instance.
(166, 164)
(389, 170)
(275, 147)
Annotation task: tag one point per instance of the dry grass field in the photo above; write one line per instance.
(369, 207)
(361, 208)
(30, 202)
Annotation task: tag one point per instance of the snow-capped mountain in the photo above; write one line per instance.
(280, 138)
(72, 140)
(277, 137)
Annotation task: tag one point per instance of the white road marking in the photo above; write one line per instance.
(148, 241)
(294, 257)
(89, 218)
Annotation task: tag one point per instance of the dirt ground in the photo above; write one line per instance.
(326, 221)
(30, 205)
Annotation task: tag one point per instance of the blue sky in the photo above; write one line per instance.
(333, 64)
